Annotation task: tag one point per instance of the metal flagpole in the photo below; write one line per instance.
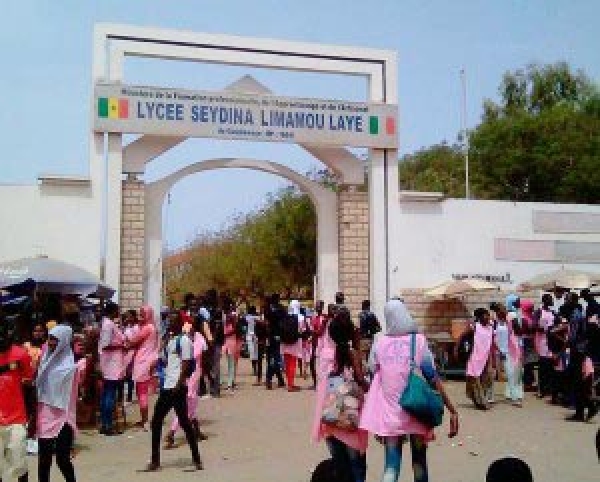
(463, 80)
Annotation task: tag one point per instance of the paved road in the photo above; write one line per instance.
(257, 435)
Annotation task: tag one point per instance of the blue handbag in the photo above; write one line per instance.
(418, 398)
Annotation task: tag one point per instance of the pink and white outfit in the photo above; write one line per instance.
(199, 346)
(482, 346)
(57, 383)
(382, 414)
(129, 332)
(112, 363)
(358, 439)
(233, 344)
(145, 341)
(513, 364)
(541, 338)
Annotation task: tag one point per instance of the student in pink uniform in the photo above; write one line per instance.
(111, 349)
(145, 343)
(382, 415)
(481, 364)
(347, 447)
(57, 383)
(199, 346)
(232, 346)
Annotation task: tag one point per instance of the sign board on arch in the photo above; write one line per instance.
(254, 117)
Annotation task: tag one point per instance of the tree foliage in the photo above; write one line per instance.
(271, 249)
(541, 142)
(439, 168)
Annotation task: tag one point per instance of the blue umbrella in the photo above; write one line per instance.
(50, 276)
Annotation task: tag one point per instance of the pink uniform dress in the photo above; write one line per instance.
(382, 414)
(200, 346)
(482, 345)
(129, 332)
(541, 339)
(232, 344)
(50, 420)
(146, 352)
(357, 439)
(111, 361)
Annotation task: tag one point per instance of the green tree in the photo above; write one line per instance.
(542, 142)
(439, 168)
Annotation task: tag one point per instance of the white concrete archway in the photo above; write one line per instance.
(325, 202)
(365, 216)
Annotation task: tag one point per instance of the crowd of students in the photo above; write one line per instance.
(179, 356)
(558, 337)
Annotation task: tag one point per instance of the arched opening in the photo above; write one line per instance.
(324, 200)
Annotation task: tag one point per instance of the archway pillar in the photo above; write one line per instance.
(131, 280)
(353, 225)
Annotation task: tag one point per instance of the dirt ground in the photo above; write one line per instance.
(259, 435)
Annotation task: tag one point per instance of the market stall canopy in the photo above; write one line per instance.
(561, 278)
(458, 287)
(51, 276)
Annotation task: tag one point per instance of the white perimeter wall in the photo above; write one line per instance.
(438, 239)
(57, 221)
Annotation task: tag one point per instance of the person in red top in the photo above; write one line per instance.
(15, 369)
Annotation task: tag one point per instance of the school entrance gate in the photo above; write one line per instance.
(353, 228)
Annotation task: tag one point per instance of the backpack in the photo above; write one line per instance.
(290, 332)
(343, 402)
(192, 365)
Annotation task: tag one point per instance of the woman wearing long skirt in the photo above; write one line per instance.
(514, 358)
(57, 382)
(481, 362)
(145, 343)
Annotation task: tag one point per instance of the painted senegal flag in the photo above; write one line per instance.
(374, 125)
(113, 107)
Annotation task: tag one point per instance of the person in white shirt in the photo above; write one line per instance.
(179, 354)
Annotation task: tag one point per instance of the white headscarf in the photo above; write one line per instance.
(57, 370)
(398, 320)
(294, 308)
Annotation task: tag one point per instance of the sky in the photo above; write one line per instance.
(46, 48)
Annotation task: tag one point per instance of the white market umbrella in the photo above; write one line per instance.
(51, 276)
(460, 287)
(561, 278)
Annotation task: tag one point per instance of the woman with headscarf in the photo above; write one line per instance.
(57, 382)
(347, 447)
(145, 343)
(292, 352)
(514, 358)
(382, 414)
